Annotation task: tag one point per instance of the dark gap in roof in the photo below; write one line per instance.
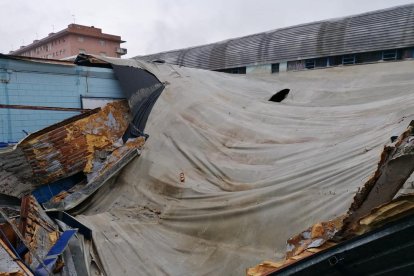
(280, 96)
(158, 61)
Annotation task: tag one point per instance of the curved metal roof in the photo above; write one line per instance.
(378, 30)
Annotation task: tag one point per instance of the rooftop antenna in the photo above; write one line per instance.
(73, 16)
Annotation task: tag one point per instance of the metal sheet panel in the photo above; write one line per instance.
(379, 30)
(67, 148)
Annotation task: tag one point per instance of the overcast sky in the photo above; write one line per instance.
(159, 25)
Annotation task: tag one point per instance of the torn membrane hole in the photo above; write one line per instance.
(280, 96)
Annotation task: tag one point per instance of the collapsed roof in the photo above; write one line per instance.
(226, 176)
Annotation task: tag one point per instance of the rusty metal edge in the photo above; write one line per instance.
(73, 200)
(333, 256)
(59, 124)
(24, 212)
(25, 269)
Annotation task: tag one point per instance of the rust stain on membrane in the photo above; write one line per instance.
(69, 147)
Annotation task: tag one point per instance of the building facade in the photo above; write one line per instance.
(49, 84)
(378, 36)
(75, 39)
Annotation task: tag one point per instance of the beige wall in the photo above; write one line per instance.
(75, 39)
(92, 45)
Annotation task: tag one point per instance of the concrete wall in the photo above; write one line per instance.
(41, 84)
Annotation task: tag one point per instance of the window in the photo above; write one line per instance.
(321, 62)
(389, 55)
(368, 57)
(236, 70)
(275, 68)
(94, 102)
(316, 63)
(295, 65)
(102, 42)
(348, 59)
(310, 63)
(81, 39)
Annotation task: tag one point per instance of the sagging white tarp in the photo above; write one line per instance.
(226, 177)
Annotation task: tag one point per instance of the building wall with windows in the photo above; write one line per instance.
(73, 40)
(377, 36)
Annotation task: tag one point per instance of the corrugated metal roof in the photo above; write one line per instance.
(378, 30)
(68, 147)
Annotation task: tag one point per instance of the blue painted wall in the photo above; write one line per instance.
(43, 84)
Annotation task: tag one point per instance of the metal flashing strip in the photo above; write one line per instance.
(50, 108)
(42, 60)
(72, 222)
